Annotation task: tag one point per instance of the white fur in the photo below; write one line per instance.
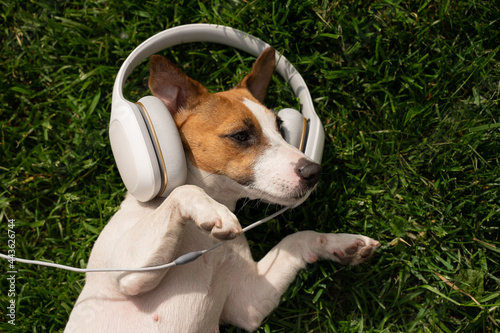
(225, 285)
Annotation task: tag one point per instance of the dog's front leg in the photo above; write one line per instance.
(256, 290)
(154, 239)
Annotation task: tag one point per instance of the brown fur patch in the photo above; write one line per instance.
(207, 135)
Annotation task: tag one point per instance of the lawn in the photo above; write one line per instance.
(408, 93)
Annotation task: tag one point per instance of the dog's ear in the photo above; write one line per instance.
(172, 85)
(258, 80)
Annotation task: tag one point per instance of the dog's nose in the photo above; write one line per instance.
(308, 171)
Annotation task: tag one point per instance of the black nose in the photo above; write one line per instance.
(308, 171)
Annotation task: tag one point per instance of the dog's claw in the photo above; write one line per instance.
(207, 226)
(368, 251)
(225, 234)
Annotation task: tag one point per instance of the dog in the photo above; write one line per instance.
(234, 149)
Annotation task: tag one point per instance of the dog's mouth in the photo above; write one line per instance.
(286, 187)
(280, 194)
(291, 199)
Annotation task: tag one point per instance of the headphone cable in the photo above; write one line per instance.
(183, 259)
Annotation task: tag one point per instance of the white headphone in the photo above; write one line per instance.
(144, 139)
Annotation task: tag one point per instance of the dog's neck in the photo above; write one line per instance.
(222, 189)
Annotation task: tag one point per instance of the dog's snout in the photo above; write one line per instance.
(308, 171)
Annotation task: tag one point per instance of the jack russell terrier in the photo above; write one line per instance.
(234, 150)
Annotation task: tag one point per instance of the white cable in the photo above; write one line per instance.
(81, 270)
(257, 223)
(184, 259)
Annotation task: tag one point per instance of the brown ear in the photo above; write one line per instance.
(258, 80)
(173, 86)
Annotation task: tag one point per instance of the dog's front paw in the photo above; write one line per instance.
(346, 249)
(219, 221)
(207, 213)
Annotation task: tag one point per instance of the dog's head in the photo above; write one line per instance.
(232, 142)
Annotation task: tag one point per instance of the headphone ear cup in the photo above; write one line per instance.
(294, 127)
(166, 142)
(133, 151)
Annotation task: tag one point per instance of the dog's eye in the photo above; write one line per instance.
(242, 136)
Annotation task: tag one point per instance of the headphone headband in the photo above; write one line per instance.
(234, 38)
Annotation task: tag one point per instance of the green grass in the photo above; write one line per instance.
(408, 92)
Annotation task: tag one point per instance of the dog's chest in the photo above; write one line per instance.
(197, 292)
